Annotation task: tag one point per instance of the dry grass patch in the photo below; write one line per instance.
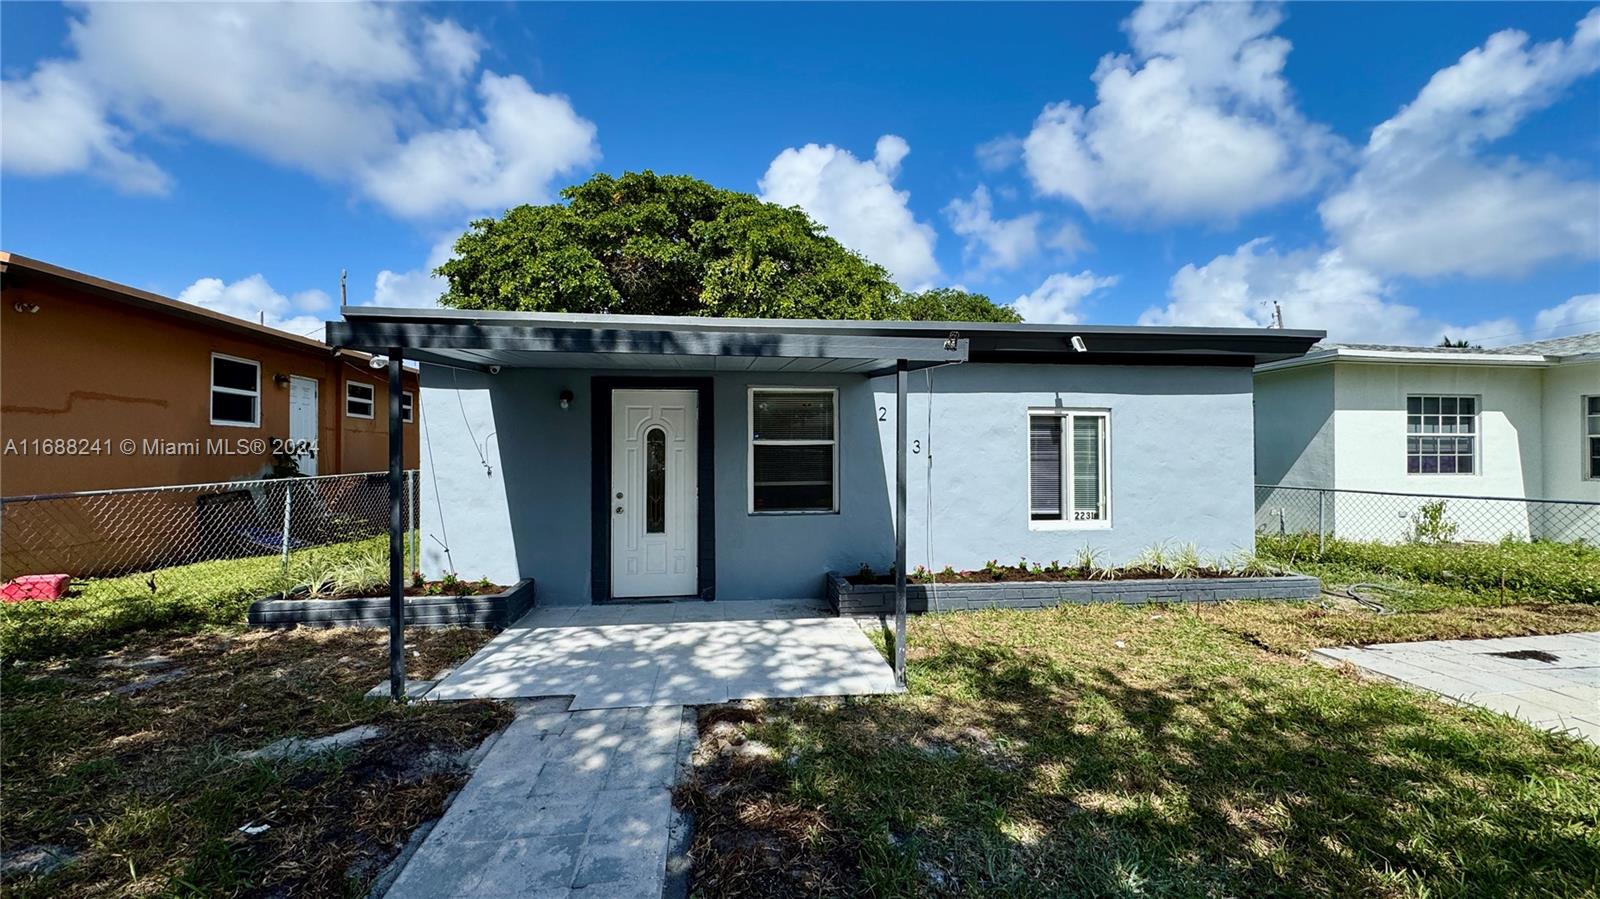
(131, 761)
(1295, 628)
(1101, 751)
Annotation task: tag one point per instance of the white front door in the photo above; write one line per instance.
(654, 504)
(303, 422)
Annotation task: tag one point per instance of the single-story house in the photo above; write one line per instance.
(106, 386)
(618, 457)
(1519, 421)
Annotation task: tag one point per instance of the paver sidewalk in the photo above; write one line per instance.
(563, 804)
(1551, 682)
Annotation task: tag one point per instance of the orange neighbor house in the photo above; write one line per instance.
(104, 386)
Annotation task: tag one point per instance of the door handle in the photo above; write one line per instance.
(619, 510)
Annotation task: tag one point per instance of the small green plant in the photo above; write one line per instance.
(947, 572)
(993, 570)
(1088, 559)
(1054, 567)
(1186, 562)
(865, 572)
(1429, 525)
(1154, 559)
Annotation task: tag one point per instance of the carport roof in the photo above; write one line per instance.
(478, 339)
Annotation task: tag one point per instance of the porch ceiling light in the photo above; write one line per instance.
(566, 398)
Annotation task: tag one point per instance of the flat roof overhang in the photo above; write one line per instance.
(479, 339)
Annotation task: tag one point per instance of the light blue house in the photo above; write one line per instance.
(614, 457)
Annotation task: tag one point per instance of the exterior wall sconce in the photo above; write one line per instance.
(280, 379)
(29, 308)
(566, 398)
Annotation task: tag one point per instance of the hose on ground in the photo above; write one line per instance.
(1356, 592)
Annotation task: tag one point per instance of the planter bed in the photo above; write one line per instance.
(493, 610)
(877, 599)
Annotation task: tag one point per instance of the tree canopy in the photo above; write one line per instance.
(648, 244)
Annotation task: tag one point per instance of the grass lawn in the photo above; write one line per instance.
(1110, 751)
(146, 789)
(100, 612)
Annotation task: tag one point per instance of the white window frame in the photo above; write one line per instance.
(1066, 522)
(1476, 435)
(408, 406)
(371, 400)
(255, 395)
(1583, 430)
(750, 449)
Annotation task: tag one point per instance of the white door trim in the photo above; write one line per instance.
(654, 555)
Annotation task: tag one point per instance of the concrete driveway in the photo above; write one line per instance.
(673, 654)
(1551, 682)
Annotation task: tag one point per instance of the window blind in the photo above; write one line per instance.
(1086, 467)
(1044, 466)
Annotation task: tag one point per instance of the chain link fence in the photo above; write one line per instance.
(1372, 515)
(98, 534)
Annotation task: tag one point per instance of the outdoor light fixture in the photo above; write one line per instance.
(566, 398)
(280, 379)
(378, 362)
(1078, 344)
(29, 308)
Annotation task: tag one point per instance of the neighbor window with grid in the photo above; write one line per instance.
(1441, 434)
(794, 451)
(1591, 435)
(1067, 466)
(235, 391)
(360, 399)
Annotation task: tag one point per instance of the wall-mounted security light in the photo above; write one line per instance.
(378, 362)
(29, 308)
(1078, 344)
(280, 379)
(566, 398)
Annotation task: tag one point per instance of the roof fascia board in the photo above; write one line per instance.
(1401, 357)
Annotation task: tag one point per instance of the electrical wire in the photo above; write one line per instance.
(433, 474)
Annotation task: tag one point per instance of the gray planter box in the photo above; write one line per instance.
(878, 599)
(496, 610)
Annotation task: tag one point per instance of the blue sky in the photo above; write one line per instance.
(1388, 172)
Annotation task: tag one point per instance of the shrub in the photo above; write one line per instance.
(1558, 572)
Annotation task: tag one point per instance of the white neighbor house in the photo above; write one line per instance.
(1517, 421)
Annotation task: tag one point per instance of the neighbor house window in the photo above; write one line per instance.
(1591, 435)
(359, 399)
(1067, 466)
(235, 391)
(408, 405)
(794, 458)
(1441, 434)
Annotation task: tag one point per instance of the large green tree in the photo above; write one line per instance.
(648, 244)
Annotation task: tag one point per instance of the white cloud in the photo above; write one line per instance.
(345, 91)
(51, 123)
(994, 243)
(1058, 298)
(254, 300)
(1424, 202)
(1000, 153)
(858, 204)
(1196, 124)
(1579, 315)
(417, 288)
(1316, 290)
(524, 140)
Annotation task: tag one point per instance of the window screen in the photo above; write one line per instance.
(793, 451)
(1441, 434)
(359, 399)
(1591, 433)
(1067, 466)
(235, 391)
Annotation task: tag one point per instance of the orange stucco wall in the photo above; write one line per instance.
(94, 368)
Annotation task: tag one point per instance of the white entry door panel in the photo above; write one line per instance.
(654, 495)
(303, 422)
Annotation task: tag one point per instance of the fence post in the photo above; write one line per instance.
(288, 501)
(1322, 495)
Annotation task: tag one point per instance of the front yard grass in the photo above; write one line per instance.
(1110, 751)
(145, 786)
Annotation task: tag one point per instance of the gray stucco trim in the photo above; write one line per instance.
(601, 387)
(878, 599)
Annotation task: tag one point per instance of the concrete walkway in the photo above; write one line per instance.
(563, 804)
(672, 654)
(1551, 682)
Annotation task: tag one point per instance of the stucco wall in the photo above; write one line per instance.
(88, 367)
(1294, 426)
(1370, 446)
(1565, 452)
(1180, 471)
